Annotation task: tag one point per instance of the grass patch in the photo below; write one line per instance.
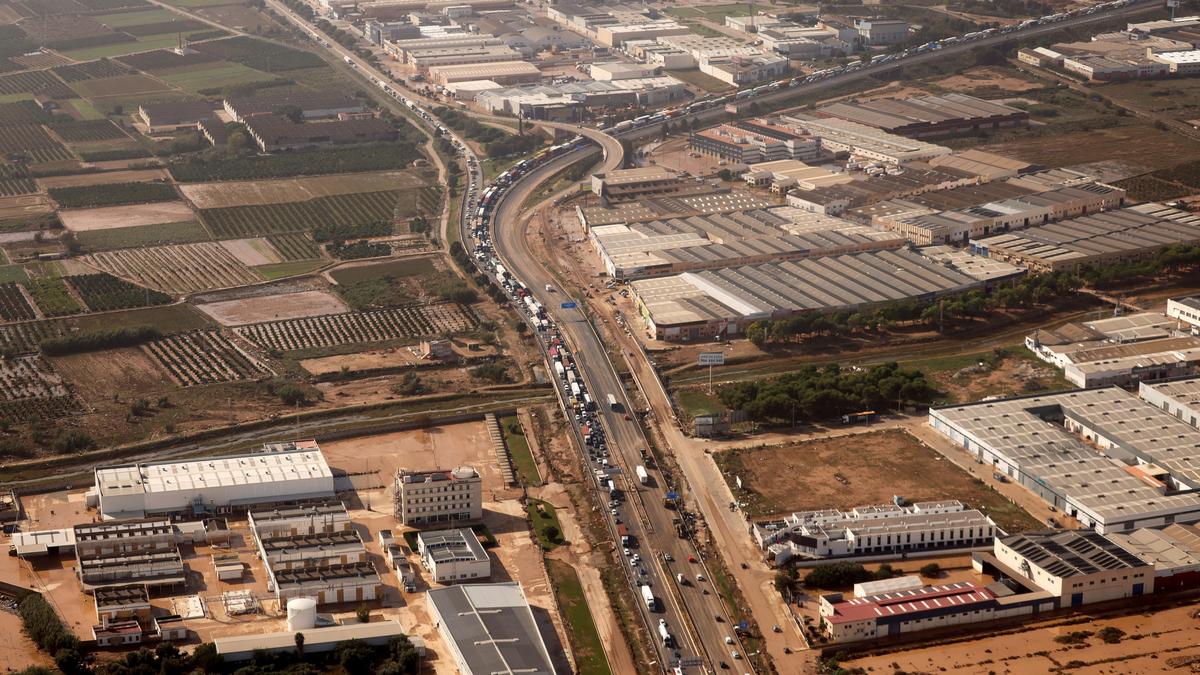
(696, 402)
(143, 235)
(585, 639)
(518, 449)
(545, 524)
(12, 273)
(287, 269)
(699, 79)
(167, 318)
(396, 268)
(215, 76)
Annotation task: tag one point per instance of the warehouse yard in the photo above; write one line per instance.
(841, 472)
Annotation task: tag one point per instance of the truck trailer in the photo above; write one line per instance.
(643, 476)
(648, 596)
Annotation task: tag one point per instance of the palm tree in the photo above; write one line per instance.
(300, 644)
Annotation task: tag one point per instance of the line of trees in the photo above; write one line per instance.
(814, 393)
(92, 341)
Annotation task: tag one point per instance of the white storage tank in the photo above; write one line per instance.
(301, 614)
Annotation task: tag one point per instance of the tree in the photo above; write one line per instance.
(356, 657)
(363, 613)
(238, 140)
(725, 174)
(552, 533)
(300, 644)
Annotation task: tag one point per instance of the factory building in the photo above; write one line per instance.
(401, 50)
(571, 101)
(684, 199)
(743, 70)
(279, 472)
(1185, 311)
(1125, 235)
(631, 184)
(672, 246)
(312, 551)
(618, 70)
(125, 552)
(751, 143)
(1179, 397)
(655, 53)
(505, 73)
(900, 612)
(696, 306)
(929, 116)
(887, 529)
(317, 640)
(453, 556)
(490, 628)
(881, 32)
(615, 35)
(1102, 456)
(438, 497)
(865, 142)
(1078, 567)
(311, 106)
(424, 59)
(1174, 551)
(1119, 351)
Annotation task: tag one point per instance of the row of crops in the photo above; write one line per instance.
(89, 131)
(104, 292)
(180, 268)
(71, 295)
(336, 210)
(35, 82)
(11, 187)
(31, 389)
(97, 70)
(293, 247)
(331, 330)
(204, 357)
(32, 141)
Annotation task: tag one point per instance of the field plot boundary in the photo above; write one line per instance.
(180, 269)
(202, 357)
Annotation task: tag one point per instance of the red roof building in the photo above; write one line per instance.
(877, 616)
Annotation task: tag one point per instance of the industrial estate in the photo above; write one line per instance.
(495, 337)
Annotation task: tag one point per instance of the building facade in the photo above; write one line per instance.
(438, 497)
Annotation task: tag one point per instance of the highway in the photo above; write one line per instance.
(693, 610)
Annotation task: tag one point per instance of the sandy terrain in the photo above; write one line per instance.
(252, 252)
(102, 178)
(24, 206)
(111, 217)
(244, 193)
(274, 307)
(383, 358)
(978, 78)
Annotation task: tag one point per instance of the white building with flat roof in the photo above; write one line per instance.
(278, 472)
(441, 496)
(453, 556)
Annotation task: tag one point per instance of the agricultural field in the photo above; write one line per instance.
(52, 296)
(14, 306)
(351, 209)
(103, 178)
(31, 389)
(292, 247)
(21, 338)
(112, 217)
(177, 269)
(277, 307)
(92, 70)
(276, 191)
(89, 131)
(103, 292)
(113, 194)
(32, 141)
(403, 323)
(204, 357)
(214, 76)
(34, 82)
(266, 56)
(124, 85)
(164, 59)
(252, 252)
(321, 161)
(159, 234)
(12, 187)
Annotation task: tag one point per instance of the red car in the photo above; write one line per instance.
(691, 558)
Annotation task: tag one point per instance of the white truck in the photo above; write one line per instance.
(665, 633)
(648, 596)
(612, 403)
(643, 476)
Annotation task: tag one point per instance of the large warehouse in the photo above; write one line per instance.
(490, 628)
(700, 305)
(928, 116)
(1103, 456)
(279, 472)
(1125, 235)
(866, 142)
(659, 247)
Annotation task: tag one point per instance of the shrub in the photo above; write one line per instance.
(837, 575)
(100, 339)
(931, 570)
(492, 372)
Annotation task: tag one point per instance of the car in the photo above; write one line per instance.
(724, 666)
(718, 618)
(627, 417)
(776, 629)
(628, 552)
(668, 557)
(787, 650)
(691, 558)
(728, 640)
(614, 511)
(699, 577)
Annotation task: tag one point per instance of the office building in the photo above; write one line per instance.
(439, 496)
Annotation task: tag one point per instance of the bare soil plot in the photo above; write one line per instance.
(17, 651)
(278, 191)
(987, 77)
(273, 307)
(185, 268)
(253, 251)
(1136, 143)
(854, 470)
(134, 215)
(102, 178)
(381, 358)
(24, 206)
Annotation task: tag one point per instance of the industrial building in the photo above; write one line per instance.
(1102, 456)
(505, 73)
(1078, 567)
(655, 53)
(453, 556)
(924, 226)
(700, 305)
(681, 200)
(439, 496)
(424, 59)
(881, 32)
(120, 553)
(928, 116)
(865, 142)
(317, 640)
(160, 118)
(631, 184)
(572, 100)
(1177, 396)
(490, 628)
(619, 70)
(1174, 551)
(660, 247)
(1185, 311)
(1119, 351)
(887, 529)
(279, 472)
(900, 612)
(752, 143)
(988, 166)
(311, 106)
(402, 49)
(1125, 235)
(785, 175)
(743, 70)
(312, 551)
